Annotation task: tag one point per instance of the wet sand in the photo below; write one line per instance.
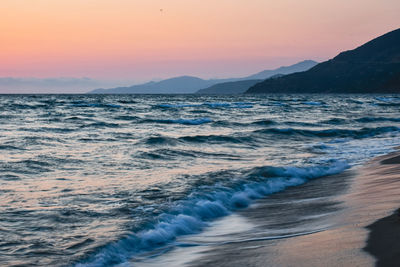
(356, 234)
(384, 237)
(383, 240)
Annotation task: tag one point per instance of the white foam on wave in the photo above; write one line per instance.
(189, 248)
(195, 213)
(386, 99)
(356, 151)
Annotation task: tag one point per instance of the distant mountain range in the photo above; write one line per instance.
(236, 87)
(190, 85)
(300, 66)
(241, 85)
(177, 85)
(371, 68)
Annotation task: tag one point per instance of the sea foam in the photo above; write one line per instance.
(193, 214)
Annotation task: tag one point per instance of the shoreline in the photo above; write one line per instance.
(358, 235)
(384, 234)
(383, 240)
(350, 231)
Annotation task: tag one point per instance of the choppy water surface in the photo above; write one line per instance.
(101, 180)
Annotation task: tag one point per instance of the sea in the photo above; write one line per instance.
(151, 180)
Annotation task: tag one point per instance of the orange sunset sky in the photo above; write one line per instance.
(144, 39)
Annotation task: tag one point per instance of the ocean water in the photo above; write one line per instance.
(116, 180)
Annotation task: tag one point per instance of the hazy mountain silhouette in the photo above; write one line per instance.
(301, 66)
(371, 68)
(177, 85)
(237, 87)
(240, 86)
(189, 85)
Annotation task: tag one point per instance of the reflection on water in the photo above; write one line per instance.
(102, 179)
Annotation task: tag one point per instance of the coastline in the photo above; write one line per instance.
(383, 240)
(357, 234)
(384, 234)
(343, 225)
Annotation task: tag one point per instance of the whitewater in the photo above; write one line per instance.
(116, 180)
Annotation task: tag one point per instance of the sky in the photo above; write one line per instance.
(146, 39)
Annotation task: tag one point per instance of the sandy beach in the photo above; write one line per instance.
(356, 234)
(384, 236)
(383, 240)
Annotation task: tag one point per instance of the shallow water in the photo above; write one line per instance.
(104, 180)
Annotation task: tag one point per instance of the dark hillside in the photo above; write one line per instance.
(371, 68)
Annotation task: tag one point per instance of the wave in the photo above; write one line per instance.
(9, 177)
(301, 124)
(166, 154)
(207, 104)
(126, 118)
(334, 121)
(28, 166)
(211, 139)
(101, 124)
(241, 106)
(177, 105)
(312, 103)
(16, 106)
(252, 138)
(197, 121)
(48, 129)
(276, 104)
(93, 105)
(161, 140)
(233, 124)
(377, 119)
(217, 139)
(243, 103)
(10, 147)
(354, 101)
(193, 214)
(229, 105)
(128, 101)
(386, 99)
(217, 105)
(387, 104)
(264, 122)
(359, 133)
(338, 121)
(76, 118)
(246, 240)
(318, 148)
(172, 154)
